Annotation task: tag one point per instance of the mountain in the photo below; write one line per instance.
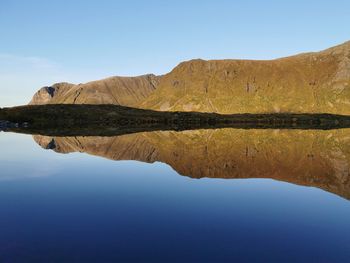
(317, 158)
(312, 82)
(126, 91)
(309, 82)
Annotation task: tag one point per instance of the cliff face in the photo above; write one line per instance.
(310, 83)
(125, 91)
(318, 158)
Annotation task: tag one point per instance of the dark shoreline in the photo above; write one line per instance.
(109, 120)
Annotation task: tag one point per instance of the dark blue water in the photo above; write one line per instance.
(81, 208)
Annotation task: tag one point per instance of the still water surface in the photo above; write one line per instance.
(195, 196)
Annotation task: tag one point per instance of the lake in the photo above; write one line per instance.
(217, 195)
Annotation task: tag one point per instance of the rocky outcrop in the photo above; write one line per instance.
(317, 158)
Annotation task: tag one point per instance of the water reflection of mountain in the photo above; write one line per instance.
(305, 157)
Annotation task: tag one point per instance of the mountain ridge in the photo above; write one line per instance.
(312, 82)
(113, 90)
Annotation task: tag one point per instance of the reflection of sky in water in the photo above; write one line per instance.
(76, 206)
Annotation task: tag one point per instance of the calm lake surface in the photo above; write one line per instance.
(226, 195)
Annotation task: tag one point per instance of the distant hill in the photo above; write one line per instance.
(309, 82)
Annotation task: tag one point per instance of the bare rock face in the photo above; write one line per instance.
(125, 91)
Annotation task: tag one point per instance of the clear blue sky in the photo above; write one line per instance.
(42, 42)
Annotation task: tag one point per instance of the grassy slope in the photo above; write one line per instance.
(311, 82)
